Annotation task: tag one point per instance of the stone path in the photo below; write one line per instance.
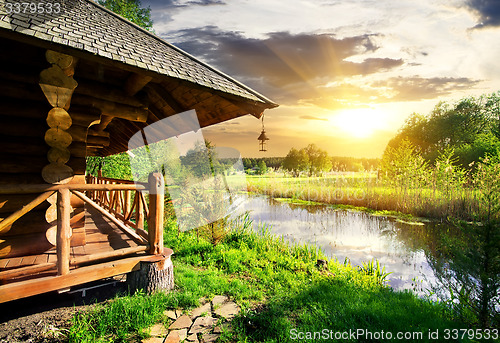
(202, 325)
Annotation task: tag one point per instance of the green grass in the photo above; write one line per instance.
(279, 287)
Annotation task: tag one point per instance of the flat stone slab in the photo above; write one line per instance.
(219, 300)
(158, 330)
(203, 325)
(201, 310)
(173, 337)
(192, 338)
(181, 333)
(153, 340)
(183, 322)
(210, 337)
(170, 314)
(228, 310)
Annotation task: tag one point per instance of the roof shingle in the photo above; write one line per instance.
(86, 26)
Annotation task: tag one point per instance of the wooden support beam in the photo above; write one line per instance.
(24, 109)
(7, 222)
(156, 212)
(38, 188)
(112, 109)
(63, 232)
(107, 92)
(24, 245)
(21, 178)
(139, 210)
(30, 128)
(161, 92)
(85, 116)
(135, 82)
(79, 276)
(30, 223)
(105, 120)
(13, 202)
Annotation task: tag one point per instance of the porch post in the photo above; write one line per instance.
(156, 211)
(63, 231)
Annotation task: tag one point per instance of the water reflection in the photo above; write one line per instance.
(358, 236)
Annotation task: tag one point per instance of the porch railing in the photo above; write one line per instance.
(111, 197)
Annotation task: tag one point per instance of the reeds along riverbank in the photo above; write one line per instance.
(428, 199)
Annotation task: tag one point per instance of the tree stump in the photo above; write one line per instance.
(156, 274)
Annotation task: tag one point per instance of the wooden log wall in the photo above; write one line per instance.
(36, 145)
(23, 110)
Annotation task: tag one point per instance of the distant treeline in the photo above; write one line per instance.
(339, 163)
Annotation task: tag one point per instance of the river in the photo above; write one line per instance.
(404, 249)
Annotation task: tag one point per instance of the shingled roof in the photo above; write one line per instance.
(111, 54)
(89, 27)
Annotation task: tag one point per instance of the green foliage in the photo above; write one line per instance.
(131, 10)
(404, 168)
(296, 161)
(318, 160)
(115, 166)
(262, 168)
(119, 320)
(373, 268)
(310, 159)
(471, 127)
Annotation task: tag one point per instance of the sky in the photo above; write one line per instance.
(346, 73)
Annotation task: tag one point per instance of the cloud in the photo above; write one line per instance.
(418, 88)
(487, 11)
(164, 4)
(283, 65)
(206, 2)
(312, 118)
(414, 88)
(310, 69)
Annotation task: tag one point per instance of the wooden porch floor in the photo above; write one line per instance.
(102, 236)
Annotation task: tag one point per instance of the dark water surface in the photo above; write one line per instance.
(403, 249)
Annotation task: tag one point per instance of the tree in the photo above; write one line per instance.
(318, 160)
(131, 10)
(456, 126)
(262, 168)
(202, 161)
(296, 161)
(469, 264)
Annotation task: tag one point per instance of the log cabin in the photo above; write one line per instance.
(76, 82)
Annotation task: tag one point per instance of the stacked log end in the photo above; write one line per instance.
(58, 85)
(58, 88)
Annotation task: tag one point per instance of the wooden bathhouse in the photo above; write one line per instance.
(80, 82)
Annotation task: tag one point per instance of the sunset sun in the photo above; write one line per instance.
(359, 123)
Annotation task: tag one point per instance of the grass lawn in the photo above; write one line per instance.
(282, 292)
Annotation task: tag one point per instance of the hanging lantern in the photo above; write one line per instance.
(263, 138)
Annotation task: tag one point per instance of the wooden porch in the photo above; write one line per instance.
(115, 241)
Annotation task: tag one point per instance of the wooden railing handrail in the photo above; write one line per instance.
(151, 241)
(121, 181)
(40, 188)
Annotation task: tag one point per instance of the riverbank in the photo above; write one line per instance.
(282, 291)
(366, 192)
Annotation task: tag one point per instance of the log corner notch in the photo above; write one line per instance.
(58, 86)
